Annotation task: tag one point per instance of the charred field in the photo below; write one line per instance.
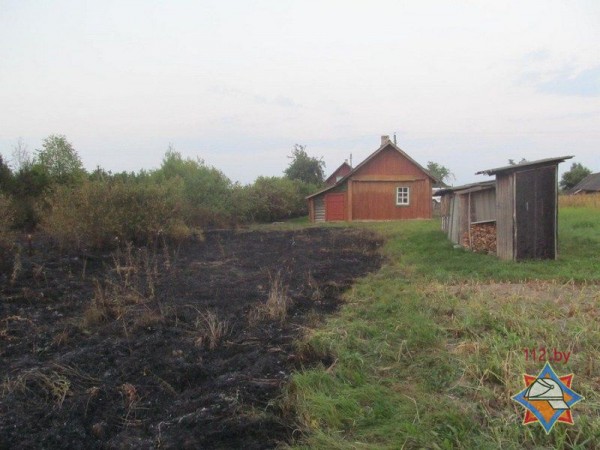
(167, 346)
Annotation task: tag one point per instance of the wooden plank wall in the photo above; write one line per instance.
(376, 200)
(483, 205)
(319, 202)
(505, 207)
(454, 231)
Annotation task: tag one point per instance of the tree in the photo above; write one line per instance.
(60, 160)
(21, 158)
(305, 168)
(574, 175)
(5, 176)
(440, 172)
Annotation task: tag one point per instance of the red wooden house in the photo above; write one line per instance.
(388, 185)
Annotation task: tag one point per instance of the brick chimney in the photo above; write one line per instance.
(385, 139)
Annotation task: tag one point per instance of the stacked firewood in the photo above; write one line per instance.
(482, 239)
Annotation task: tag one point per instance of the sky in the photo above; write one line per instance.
(466, 84)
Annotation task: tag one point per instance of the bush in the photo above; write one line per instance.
(7, 245)
(272, 198)
(98, 214)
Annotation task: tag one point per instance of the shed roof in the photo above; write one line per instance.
(472, 187)
(524, 165)
(589, 183)
(369, 158)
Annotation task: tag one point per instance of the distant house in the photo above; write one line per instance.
(338, 174)
(589, 185)
(388, 185)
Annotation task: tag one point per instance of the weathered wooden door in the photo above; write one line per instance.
(335, 206)
(536, 214)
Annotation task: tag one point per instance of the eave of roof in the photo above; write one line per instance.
(468, 187)
(369, 158)
(528, 164)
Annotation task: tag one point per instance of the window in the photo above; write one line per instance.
(402, 196)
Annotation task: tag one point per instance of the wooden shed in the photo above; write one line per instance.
(468, 215)
(388, 185)
(515, 216)
(527, 209)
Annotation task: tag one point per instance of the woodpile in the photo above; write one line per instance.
(482, 239)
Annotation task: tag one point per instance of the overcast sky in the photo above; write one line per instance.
(465, 84)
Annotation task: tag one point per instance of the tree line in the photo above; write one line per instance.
(50, 190)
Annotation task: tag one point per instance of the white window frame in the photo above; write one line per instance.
(402, 196)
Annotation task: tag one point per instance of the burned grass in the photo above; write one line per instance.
(164, 347)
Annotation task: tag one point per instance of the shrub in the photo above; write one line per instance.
(99, 214)
(273, 198)
(7, 245)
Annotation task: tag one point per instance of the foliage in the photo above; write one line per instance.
(442, 173)
(428, 351)
(21, 157)
(5, 176)
(206, 190)
(305, 168)
(574, 175)
(99, 214)
(273, 198)
(60, 160)
(7, 245)
(29, 185)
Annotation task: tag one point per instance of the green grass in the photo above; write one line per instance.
(429, 350)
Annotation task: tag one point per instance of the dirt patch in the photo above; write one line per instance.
(166, 347)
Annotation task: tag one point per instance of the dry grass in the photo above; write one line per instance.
(212, 330)
(129, 291)
(50, 386)
(581, 200)
(277, 304)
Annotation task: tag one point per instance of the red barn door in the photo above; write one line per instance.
(335, 206)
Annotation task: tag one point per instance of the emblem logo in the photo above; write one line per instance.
(547, 398)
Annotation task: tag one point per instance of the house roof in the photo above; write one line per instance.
(369, 158)
(589, 183)
(336, 170)
(472, 187)
(527, 164)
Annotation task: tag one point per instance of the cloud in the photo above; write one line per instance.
(585, 83)
(566, 81)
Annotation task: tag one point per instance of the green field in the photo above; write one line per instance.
(428, 352)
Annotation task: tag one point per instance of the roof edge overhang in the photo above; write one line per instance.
(525, 165)
(466, 188)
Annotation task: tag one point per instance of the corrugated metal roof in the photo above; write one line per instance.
(520, 166)
(589, 183)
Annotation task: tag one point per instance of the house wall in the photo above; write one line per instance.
(376, 200)
(373, 189)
